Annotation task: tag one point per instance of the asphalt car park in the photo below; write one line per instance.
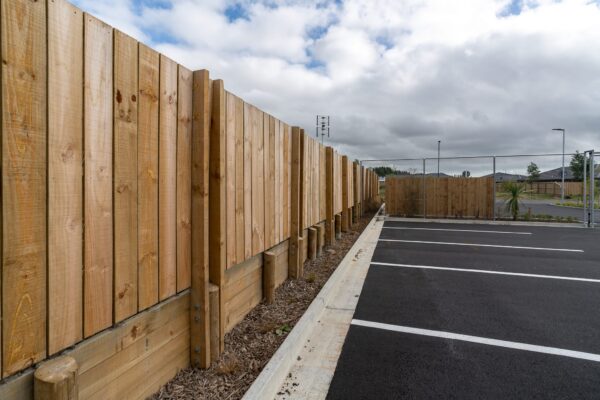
(476, 311)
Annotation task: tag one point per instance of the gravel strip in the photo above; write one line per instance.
(252, 343)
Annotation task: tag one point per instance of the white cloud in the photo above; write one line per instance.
(396, 76)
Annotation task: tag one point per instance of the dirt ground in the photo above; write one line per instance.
(250, 345)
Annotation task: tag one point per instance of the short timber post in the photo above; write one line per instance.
(57, 379)
(312, 243)
(269, 277)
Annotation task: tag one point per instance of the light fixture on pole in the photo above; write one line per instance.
(438, 160)
(562, 188)
(322, 128)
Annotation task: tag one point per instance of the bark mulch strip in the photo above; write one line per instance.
(252, 343)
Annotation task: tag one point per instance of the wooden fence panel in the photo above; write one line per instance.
(24, 136)
(149, 64)
(98, 207)
(445, 197)
(125, 193)
(167, 184)
(65, 169)
(184, 179)
(147, 178)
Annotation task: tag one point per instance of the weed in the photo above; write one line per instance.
(229, 365)
(283, 329)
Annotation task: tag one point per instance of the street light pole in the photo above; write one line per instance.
(438, 160)
(562, 188)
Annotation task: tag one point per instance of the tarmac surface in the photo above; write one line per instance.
(476, 311)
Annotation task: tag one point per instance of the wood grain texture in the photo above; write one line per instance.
(286, 181)
(125, 186)
(217, 197)
(240, 228)
(302, 184)
(98, 172)
(65, 169)
(24, 138)
(167, 181)
(295, 222)
(199, 296)
(445, 197)
(184, 179)
(248, 180)
(279, 181)
(269, 167)
(329, 197)
(230, 174)
(242, 290)
(57, 379)
(149, 71)
(258, 184)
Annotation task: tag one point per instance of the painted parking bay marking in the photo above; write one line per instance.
(480, 340)
(481, 245)
(455, 230)
(483, 271)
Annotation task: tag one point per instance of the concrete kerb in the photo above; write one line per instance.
(270, 380)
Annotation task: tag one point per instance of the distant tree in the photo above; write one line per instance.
(533, 171)
(466, 174)
(577, 161)
(383, 171)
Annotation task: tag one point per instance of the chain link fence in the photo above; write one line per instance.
(535, 180)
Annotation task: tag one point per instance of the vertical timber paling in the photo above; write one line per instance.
(199, 296)
(65, 206)
(295, 222)
(24, 138)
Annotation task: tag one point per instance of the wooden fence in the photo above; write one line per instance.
(145, 209)
(440, 197)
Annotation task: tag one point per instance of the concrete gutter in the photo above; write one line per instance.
(304, 364)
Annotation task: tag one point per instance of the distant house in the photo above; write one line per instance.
(555, 175)
(504, 177)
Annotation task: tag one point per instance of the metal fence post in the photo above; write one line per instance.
(585, 199)
(494, 199)
(592, 191)
(424, 192)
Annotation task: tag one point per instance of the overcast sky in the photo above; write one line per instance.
(396, 76)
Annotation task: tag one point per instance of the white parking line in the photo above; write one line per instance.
(455, 230)
(481, 340)
(483, 271)
(481, 245)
